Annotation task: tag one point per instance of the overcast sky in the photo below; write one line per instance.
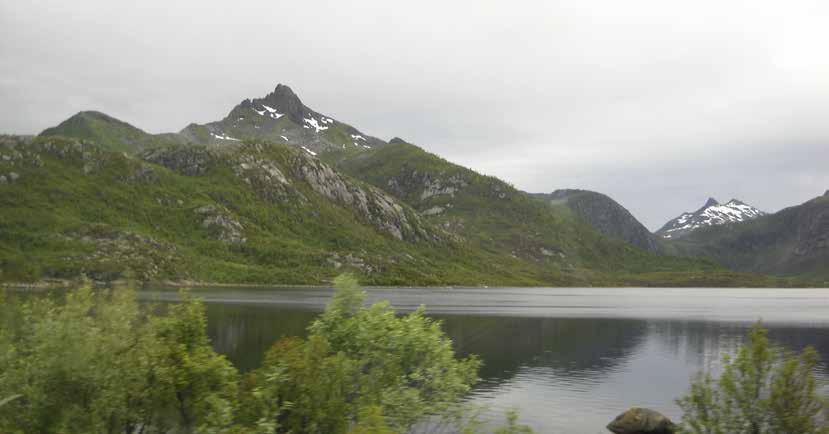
(656, 103)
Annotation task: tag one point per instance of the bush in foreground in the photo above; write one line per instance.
(100, 362)
(762, 390)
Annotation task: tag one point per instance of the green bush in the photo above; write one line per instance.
(762, 390)
(99, 362)
(361, 365)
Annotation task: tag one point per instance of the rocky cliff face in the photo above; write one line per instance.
(711, 214)
(274, 173)
(605, 215)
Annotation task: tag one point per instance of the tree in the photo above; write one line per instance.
(98, 362)
(361, 366)
(762, 390)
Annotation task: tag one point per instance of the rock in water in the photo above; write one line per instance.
(641, 421)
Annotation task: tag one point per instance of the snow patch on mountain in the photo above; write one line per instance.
(313, 123)
(223, 137)
(268, 111)
(712, 214)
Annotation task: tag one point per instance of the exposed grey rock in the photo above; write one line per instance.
(146, 256)
(370, 203)
(190, 161)
(3, 179)
(435, 210)
(264, 175)
(434, 187)
(221, 225)
(13, 176)
(641, 421)
(350, 260)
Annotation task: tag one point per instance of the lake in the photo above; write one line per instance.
(570, 359)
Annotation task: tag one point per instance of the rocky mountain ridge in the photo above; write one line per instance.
(793, 241)
(711, 214)
(277, 181)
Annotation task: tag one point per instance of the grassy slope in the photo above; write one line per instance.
(59, 220)
(110, 133)
(497, 218)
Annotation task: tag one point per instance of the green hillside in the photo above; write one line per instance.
(110, 133)
(497, 218)
(251, 214)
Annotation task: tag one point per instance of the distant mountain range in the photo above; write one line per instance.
(793, 241)
(711, 214)
(277, 192)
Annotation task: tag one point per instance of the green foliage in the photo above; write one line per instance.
(99, 363)
(78, 209)
(109, 133)
(512, 426)
(364, 369)
(762, 390)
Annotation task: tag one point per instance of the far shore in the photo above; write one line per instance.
(52, 284)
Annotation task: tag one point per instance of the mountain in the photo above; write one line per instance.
(272, 213)
(711, 214)
(277, 192)
(493, 216)
(109, 132)
(278, 117)
(281, 117)
(605, 215)
(251, 213)
(793, 241)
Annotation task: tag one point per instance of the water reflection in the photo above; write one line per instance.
(565, 374)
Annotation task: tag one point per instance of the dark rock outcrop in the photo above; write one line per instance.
(641, 421)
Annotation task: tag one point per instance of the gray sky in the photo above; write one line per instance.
(656, 103)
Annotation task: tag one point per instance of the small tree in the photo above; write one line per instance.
(762, 390)
(361, 368)
(98, 362)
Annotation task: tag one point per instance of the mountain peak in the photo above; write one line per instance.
(282, 100)
(398, 141)
(284, 91)
(101, 128)
(711, 214)
(826, 194)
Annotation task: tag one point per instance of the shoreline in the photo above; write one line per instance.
(50, 284)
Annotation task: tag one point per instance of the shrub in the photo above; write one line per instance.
(762, 390)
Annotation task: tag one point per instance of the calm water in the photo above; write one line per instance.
(569, 359)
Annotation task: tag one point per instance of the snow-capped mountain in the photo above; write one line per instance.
(281, 117)
(711, 214)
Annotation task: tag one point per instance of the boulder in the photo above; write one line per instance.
(641, 421)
